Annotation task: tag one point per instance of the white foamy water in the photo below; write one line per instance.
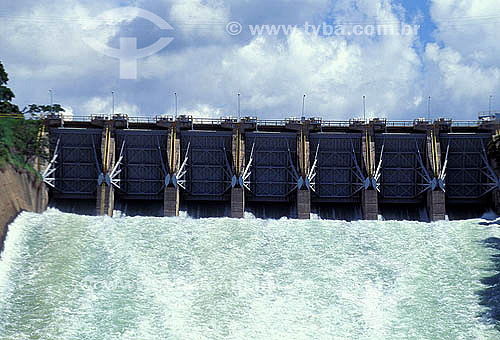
(65, 276)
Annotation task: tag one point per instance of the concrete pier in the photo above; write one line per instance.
(436, 200)
(238, 167)
(496, 167)
(105, 202)
(171, 198)
(304, 193)
(369, 196)
(237, 202)
(436, 205)
(303, 204)
(369, 204)
(171, 202)
(496, 201)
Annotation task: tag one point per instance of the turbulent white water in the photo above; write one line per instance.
(65, 276)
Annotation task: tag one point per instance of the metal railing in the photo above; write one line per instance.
(260, 123)
(271, 122)
(400, 123)
(142, 120)
(12, 115)
(82, 119)
(207, 121)
(335, 123)
(465, 123)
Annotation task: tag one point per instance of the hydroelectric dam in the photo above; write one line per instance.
(288, 167)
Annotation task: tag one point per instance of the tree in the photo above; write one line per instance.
(20, 140)
(6, 94)
(35, 109)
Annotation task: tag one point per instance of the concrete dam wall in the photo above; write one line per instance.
(224, 167)
(20, 190)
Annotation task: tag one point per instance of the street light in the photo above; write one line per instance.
(113, 96)
(175, 99)
(304, 105)
(239, 107)
(51, 101)
(364, 108)
(429, 109)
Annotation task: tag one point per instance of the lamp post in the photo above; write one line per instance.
(239, 107)
(113, 105)
(304, 106)
(175, 100)
(364, 108)
(51, 101)
(429, 109)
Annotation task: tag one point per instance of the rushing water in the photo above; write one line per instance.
(64, 276)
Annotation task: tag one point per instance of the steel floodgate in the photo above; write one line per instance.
(65, 276)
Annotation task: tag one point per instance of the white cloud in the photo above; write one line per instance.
(465, 79)
(469, 27)
(100, 105)
(462, 68)
(272, 73)
(198, 18)
(208, 67)
(202, 111)
(68, 113)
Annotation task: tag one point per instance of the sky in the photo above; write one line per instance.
(453, 57)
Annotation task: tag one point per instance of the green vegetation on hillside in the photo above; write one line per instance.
(20, 139)
(20, 143)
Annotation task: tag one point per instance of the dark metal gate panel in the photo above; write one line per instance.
(465, 178)
(336, 178)
(142, 175)
(400, 178)
(76, 174)
(271, 177)
(207, 176)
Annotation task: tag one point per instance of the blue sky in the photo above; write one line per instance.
(454, 58)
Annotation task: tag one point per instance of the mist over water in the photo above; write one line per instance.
(64, 276)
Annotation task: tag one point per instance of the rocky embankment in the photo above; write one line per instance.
(20, 190)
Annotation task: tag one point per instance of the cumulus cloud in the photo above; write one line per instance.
(42, 49)
(100, 105)
(197, 18)
(462, 66)
(273, 72)
(469, 27)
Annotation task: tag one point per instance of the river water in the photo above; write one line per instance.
(64, 276)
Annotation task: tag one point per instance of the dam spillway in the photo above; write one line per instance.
(297, 165)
